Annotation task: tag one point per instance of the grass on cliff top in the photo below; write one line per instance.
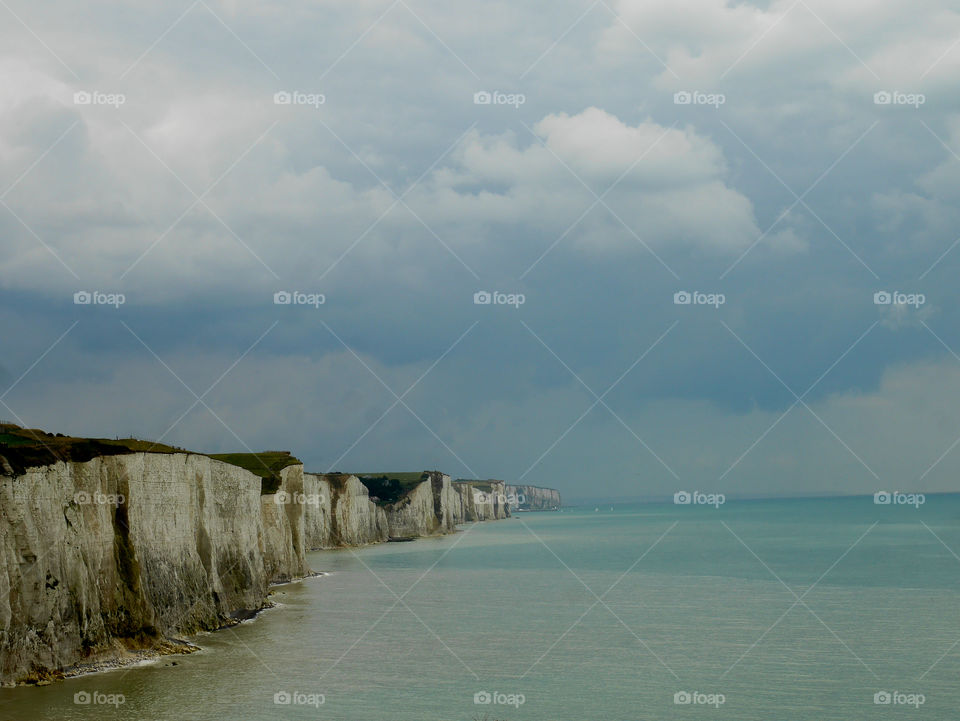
(30, 447)
(267, 465)
(400, 476)
(387, 488)
(485, 486)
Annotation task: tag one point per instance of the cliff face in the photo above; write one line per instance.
(534, 498)
(119, 551)
(431, 507)
(338, 512)
(283, 539)
(482, 500)
(112, 553)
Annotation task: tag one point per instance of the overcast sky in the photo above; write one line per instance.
(791, 159)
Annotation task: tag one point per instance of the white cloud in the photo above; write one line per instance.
(676, 195)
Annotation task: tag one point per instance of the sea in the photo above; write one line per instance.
(794, 610)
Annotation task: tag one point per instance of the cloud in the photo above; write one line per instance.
(666, 184)
(854, 45)
(667, 187)
(502, 198)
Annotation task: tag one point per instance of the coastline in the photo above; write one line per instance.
(115, 551)
(125, 658)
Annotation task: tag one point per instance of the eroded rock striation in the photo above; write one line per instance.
(119, 552)
(339, 512)
(482, 500)
(342, 511)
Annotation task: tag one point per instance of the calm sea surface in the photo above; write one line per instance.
(788, 610)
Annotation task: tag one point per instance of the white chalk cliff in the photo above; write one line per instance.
(121, 551)
(126, 552)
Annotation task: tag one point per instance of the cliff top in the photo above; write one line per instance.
(528, 485)
(24, 448)
(396, 475)
(29, 447)
(388, 488)
(486, 485)
(267, 465)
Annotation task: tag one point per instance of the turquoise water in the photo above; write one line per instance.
(506, 608)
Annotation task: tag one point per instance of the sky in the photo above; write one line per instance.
(171, 173)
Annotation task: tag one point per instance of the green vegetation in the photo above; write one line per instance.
(403, 476)
(388, 488)
(267, 465)
(30, 447)
(484, 486)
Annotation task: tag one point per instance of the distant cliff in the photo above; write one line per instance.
(349, 510)
(343, 514)
(534, 498)
(483, 500)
